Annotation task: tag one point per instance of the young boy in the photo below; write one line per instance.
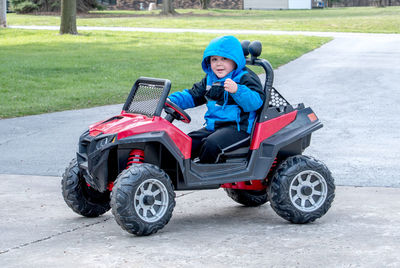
(232, 93)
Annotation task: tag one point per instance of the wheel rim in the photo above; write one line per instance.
(151, 200)
(308, 191)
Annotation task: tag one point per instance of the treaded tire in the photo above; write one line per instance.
(302, 189)
(81, 198)
(248, 198)
(143, 199)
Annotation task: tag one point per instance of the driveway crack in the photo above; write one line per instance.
(53, 236)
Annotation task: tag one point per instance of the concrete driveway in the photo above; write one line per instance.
(352, 85)
(207, 230)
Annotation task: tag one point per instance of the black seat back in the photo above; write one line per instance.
(241, 148)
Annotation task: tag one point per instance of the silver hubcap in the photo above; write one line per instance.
(308, 191)
(151, 200)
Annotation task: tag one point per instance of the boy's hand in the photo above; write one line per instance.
(230, 86)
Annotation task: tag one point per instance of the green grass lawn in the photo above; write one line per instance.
(42, 71)
(357, 19)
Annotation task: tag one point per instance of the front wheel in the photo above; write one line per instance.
(143, 199)
(302, 189)
(80, 197)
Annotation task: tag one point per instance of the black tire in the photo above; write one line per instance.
(81, 198)
(143, 199)
(302, 189)
(248, 198)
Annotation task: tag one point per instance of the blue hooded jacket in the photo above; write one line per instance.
(225, 108)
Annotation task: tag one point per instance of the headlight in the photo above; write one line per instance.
(104, 141)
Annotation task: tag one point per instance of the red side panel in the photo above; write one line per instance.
(127, 125)
(268, 128)
(246, 185)
(181, 140)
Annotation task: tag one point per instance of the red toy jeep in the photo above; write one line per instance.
(133, 162)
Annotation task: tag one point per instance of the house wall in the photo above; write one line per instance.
(299, 4)
(265, 4)
(277, 4)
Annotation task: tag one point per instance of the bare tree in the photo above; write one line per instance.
(3, 13)
(168, 8)
(68, 17)
(204, 4)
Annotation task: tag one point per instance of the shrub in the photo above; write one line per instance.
(24, 6)
(28, 6)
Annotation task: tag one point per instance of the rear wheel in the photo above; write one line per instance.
(248, 198)
(143, 199)
(81, 198)
(302, 189)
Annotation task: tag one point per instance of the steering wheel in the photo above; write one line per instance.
(176, 112)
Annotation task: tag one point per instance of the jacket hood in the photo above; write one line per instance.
(228, 47)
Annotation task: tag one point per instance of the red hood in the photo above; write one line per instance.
(118, 124)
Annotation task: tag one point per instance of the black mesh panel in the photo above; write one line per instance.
(145, 99)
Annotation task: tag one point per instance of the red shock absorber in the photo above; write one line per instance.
(136, 156)
(275, 163)
(272, 169)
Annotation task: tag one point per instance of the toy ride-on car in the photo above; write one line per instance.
(133, 162)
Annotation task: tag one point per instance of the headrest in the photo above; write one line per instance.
(254, 48)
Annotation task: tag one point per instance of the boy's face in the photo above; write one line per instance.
(221, 66)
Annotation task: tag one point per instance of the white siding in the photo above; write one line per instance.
(299, 4)
(266, 4)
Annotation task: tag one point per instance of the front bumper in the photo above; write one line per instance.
(92, 157)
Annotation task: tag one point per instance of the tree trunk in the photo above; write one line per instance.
(168, 8)
(204, 4)
(3, 13)
(68, 17)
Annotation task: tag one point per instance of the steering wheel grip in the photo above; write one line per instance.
(176, 112)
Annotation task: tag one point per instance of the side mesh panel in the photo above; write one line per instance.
(145, 99)
(276, 99)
